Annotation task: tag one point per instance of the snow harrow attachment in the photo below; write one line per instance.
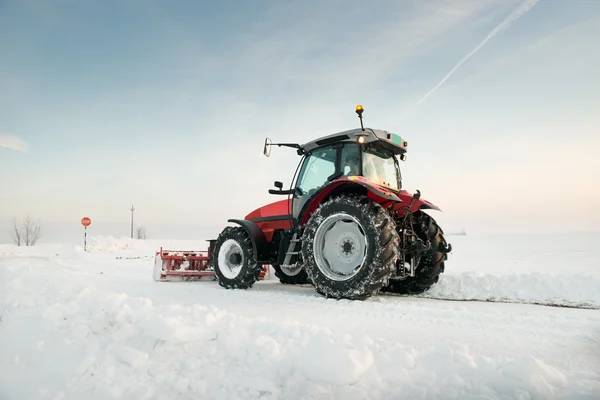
(187, 265)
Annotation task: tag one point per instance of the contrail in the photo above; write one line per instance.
(513, 16)
(12, 142)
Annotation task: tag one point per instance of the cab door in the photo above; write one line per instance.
(319, 165)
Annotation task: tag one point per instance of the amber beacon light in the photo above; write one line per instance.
(359, 111)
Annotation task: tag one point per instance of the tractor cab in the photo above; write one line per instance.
(329, 163)
(369, 153)
(361, 153)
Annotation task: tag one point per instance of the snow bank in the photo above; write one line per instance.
(122, 346)
(42, 250)
(110, 244)
(96, 326)
(575, 290)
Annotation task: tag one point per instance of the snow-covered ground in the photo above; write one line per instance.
(94, 325)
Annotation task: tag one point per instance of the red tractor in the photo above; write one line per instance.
(346, 225)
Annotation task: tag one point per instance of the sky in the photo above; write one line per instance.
(165, 106)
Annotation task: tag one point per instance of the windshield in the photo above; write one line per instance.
(381, 168)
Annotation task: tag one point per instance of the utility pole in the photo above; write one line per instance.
(132, 210)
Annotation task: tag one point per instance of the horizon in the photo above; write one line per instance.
(104, 105)
(73, 233)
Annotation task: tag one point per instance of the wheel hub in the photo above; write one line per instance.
(347, 247)
(230, 258)
(340, 246)
(235, 259)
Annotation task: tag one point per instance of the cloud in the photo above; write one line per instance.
(13, 142)
(309, 52)
(513, 16)
(294, 59)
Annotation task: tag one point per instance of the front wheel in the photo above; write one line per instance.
(349, 248)
(234, 261)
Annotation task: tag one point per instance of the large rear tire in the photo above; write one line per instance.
(349, 248)
(431, 264)
(234, 261)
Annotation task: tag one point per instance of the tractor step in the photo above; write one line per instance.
(291, 251)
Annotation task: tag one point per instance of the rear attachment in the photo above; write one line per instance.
(182, 265)
(187, 265)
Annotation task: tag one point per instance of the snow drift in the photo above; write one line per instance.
(95, 325)
(127, 347)
(534, 288)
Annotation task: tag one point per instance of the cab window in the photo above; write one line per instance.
(317, 167)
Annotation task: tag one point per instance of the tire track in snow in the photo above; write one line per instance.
(581, 306)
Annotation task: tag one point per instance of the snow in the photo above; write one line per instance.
(96, 325)
(557, 270)
(548, 288)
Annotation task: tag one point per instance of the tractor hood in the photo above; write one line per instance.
(273, 211)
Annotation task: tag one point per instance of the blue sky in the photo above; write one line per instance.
(166, 105)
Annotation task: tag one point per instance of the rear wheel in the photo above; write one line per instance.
(234, 260)
(349, 248)
(288, 276)
(431, 264)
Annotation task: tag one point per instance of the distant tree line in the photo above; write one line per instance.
(29, 231)
(140, 233)
(27, 234)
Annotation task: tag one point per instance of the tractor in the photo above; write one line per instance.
(346, 226)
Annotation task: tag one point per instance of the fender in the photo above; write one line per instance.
(358, 184)
(259, 242)
(378, 193)
(420, 204)
(349, 184)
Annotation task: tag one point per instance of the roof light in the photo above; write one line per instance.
(361, 137)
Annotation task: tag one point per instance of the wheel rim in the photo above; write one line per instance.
(340, 247)
(291, 271)
(231, 259)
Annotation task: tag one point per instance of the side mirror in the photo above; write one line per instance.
(267, 149)
(279, 190)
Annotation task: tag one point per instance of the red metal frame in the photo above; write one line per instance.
(198, 264)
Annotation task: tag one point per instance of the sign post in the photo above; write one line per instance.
(85, 221)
